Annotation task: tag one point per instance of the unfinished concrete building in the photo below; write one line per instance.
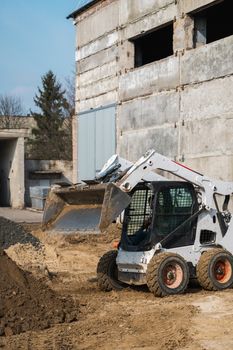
(154, 74)
(12, 167)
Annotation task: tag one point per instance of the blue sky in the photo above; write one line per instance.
(35, 36)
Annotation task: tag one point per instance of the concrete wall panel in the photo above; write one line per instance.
(186, 6)
(218, 166)
(98, 59)
(207, 137)
(208, 62)
(98, 24)
(101, 72)
(98, 45)
(209, 99)
(97, 88)
(163, 140)
(159, 109)
(98, 101)
(149, 22)
(154, 77)
(131, 10)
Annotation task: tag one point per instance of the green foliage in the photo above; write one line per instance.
(52, 138)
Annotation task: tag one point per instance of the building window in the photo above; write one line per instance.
(153, 46)
(213, 23)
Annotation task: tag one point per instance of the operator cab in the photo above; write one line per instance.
(157, 213)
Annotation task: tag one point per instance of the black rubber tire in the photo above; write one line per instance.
(157, 270)
(207, 268)
(107, 273)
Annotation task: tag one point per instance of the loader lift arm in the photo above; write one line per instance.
(152, 161)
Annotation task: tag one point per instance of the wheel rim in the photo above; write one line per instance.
(222, 270)
(172, 275)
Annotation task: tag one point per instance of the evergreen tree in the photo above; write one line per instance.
(50, 138)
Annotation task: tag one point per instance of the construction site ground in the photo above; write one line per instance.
(129, 319)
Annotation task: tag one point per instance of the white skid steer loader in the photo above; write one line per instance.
(172, 230)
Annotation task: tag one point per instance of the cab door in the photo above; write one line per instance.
(174, 204)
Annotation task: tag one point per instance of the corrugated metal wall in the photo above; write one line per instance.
(96, 140)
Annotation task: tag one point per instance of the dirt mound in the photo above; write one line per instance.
(12, 233)
(113, 233)
(27, 303)
(32, 259)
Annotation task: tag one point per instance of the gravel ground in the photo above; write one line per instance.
(12, 233)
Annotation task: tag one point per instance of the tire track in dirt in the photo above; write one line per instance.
(213, 324)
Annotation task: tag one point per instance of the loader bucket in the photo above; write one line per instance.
(115, 201)
(74, 208)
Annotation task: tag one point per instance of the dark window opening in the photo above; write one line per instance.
(213, 23)
(207, 237)
(154, 46)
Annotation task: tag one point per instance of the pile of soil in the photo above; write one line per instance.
(32, 259)
(113, 233)
(12, 233)
(27, 303)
